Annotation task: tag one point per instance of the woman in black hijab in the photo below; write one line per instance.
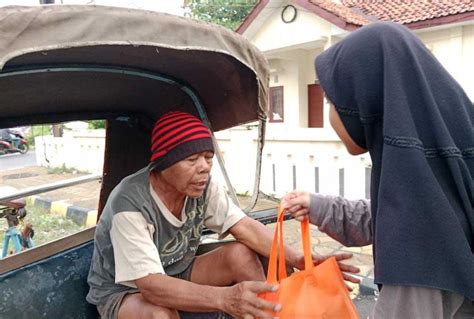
(390, 96)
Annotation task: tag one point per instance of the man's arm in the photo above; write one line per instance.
(223, 216)
(256, 236)
(170, 292)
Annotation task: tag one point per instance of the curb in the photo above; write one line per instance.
(80, 215)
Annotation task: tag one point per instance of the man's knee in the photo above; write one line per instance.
(162, 313)
(241, 257)
(137, 307)
(153, 312)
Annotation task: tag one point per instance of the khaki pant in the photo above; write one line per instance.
(403, 302)
(110, 309)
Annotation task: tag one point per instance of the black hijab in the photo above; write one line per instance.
(396, 100)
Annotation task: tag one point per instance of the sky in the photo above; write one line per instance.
(168, 6)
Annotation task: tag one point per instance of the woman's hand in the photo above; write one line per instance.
(297, 204)
(345, 269)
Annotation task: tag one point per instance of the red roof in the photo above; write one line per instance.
(401, 11)
(351, 14)
(341, 11)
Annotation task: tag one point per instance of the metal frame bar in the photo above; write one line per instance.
(50, 187)
(258, 165)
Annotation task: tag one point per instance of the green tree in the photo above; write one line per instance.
(95, 124)
(227, 13)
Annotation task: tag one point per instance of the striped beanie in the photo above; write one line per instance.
(177, 135)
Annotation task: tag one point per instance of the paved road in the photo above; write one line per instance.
(364, 305)
(17, 160)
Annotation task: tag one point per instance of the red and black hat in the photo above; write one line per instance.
(177, 135)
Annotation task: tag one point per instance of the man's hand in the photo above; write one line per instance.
(241, 300)
(297, 204)
(345, 269)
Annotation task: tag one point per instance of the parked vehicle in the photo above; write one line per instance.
(15, 144)
(65, 63)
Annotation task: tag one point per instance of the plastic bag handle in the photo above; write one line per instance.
(278, 250)
(308, 257)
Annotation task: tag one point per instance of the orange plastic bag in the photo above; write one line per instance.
(318, 292)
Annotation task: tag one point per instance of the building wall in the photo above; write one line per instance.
(454, 48)
(275, 34)
(291, 50)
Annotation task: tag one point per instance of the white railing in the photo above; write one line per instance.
(317, 166)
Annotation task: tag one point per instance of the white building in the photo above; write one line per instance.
(301, 151)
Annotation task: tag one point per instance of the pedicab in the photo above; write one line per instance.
(128, 67)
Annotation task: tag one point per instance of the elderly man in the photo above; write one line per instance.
(144, 263)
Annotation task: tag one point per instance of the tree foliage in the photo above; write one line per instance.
(228, 13)
(96, 124)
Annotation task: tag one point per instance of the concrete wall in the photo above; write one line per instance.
(454, 48)
(83, 151)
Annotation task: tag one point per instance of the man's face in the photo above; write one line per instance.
(189, 176)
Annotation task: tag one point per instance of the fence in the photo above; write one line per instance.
(319, 166)
(316, 166)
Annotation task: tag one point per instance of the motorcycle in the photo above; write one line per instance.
(16, 144)
(14, 212)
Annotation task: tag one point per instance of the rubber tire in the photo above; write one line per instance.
(23, 148)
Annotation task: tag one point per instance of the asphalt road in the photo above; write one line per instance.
(364, 305)
(17, 160)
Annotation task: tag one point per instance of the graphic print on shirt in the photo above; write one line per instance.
(184, 242)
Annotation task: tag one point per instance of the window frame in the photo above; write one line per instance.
(270, 106)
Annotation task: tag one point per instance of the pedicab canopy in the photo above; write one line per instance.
(64, 62)
(60, 63)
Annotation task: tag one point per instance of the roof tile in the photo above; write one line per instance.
(362, 12)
